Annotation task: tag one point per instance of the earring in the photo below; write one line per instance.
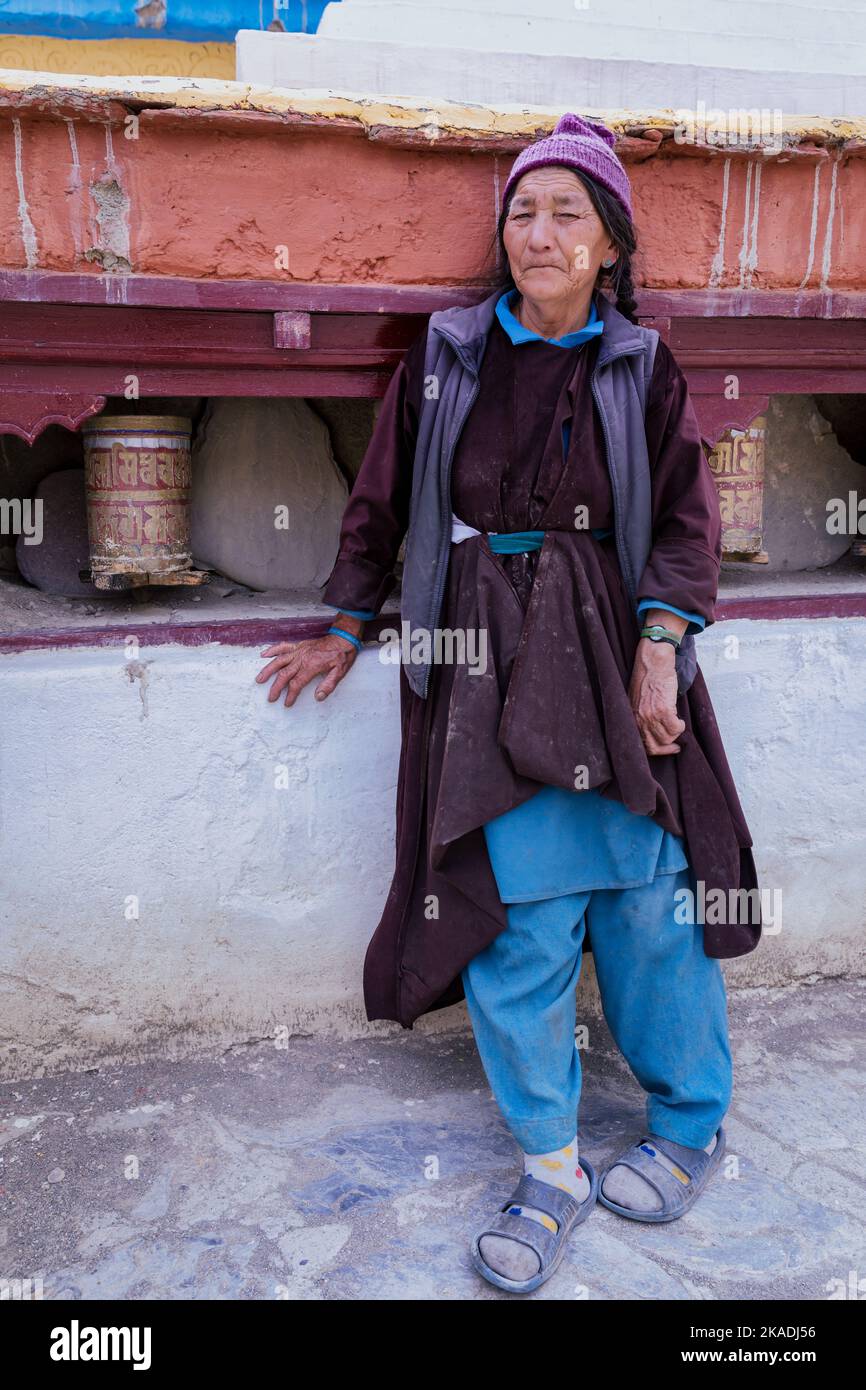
(608, 264)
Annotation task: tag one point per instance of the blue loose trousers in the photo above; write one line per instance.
(663, 999)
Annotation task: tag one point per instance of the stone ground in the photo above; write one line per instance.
(360, 1170)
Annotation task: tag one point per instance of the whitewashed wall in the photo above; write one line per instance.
(635, 54)
(255, 903)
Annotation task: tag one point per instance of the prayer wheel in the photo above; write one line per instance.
(137, 472)
(738, 465)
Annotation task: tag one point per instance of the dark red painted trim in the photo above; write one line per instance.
(715, 415)
(178, 292)
(261, 632)
(95, 380)
(27, 414)
(90, 350)
(97, 332)
(843, 605)
(735, 303)
(218, 339)
(241, 632)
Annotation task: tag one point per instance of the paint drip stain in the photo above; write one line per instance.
(137, 671)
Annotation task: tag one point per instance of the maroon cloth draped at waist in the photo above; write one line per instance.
(548, 704)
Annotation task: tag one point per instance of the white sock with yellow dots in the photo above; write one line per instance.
(562, 1169)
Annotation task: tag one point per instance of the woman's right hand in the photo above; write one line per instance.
(295, 664)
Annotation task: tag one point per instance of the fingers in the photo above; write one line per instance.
(295, 676)
(295, 664)
(282, 677)
(296, 684)
(659, 730)
(657, 720)
(657, 749)
(339, 664)
(287, 655)
(669, 722)
(664, 728)
(331, 681)
(277, 647)
(657, 737)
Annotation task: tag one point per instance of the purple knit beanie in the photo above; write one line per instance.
(582, 145)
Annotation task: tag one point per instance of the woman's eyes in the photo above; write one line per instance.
(524, 216)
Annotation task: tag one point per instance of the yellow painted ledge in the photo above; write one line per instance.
(434, 120)
(117, 57)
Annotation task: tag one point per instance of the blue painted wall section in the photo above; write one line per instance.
(195, 21)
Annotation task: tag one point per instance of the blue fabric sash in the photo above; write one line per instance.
(519, 542)
(515, 542)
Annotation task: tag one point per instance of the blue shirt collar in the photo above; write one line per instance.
(518, 334)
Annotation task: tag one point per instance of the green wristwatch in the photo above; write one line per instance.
(657, 633)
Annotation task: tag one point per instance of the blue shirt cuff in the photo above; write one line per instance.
(695, 621)
(363, 613)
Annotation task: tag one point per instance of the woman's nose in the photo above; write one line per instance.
(540, 234)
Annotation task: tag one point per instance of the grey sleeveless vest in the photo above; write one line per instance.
(456, 339)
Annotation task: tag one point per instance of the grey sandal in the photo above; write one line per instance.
(549, 1246)
(677, 1196)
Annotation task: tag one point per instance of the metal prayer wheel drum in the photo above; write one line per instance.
(738, 465)
(137, 474)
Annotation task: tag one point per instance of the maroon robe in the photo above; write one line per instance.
(561, 636)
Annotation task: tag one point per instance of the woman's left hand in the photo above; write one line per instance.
(653, 696)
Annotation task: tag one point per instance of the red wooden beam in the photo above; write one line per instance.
(347, 341)
(767, 354)
(54, 380)
(831, 305)
(177, 292)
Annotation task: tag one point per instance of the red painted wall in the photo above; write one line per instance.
(213, 194)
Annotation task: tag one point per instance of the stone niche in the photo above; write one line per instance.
(351, 420)
(24, 466)
(776, 479)
(806, 466)
(267, 493)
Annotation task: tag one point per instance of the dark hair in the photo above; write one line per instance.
(620, 229)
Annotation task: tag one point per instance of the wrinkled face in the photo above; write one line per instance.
(554, 238)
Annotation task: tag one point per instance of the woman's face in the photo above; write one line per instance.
(554, 238)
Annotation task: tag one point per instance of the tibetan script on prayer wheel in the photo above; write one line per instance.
(137, 473)
(738, 465)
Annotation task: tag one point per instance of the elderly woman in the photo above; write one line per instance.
(567, 789)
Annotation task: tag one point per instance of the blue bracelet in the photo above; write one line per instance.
(348, 636)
